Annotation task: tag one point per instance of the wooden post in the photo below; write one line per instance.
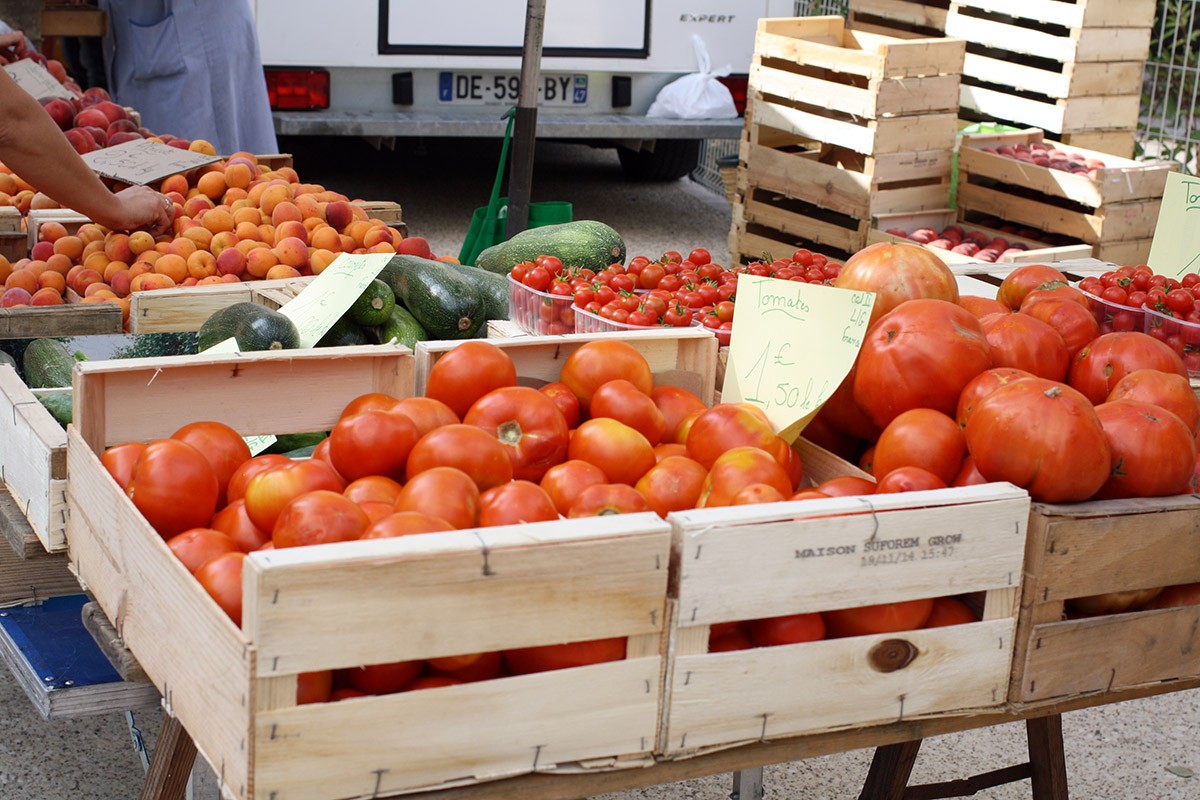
(1046, 757)
(890, 769)
(171, 764)
(520, 176)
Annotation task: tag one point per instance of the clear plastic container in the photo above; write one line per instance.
(540, 313)
(1180, 335)
(1114, 316)
(587, 322)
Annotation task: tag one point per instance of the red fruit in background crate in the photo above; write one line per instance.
(883, 618)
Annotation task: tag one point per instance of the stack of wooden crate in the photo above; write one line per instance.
(1114, 207)
(903, 18)
(1071, 68)
(841, 126)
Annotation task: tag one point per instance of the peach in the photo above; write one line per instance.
(149, 281)
(320, 259)
(291, 229)
(339, 214)
(222, 240)
(292, 251)
(46, 297)
(202, 264)
(281, 272)
(120, 281)
(172, 266)
(231, 261)
(260, 261)
(42, 250)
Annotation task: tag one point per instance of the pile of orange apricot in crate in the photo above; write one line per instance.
(233, 221)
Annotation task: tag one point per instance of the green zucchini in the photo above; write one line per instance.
(47, 364)
(489, 258)
(583, 243)
(287, 442)
(493, 288)
(59, 406)
(301, 452)
(254, 327)
(5, 358)
(447, 305)
(344, 333)
(402, 328)
(374, 305)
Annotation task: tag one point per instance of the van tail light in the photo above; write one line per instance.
(737, 85)
(297, 89)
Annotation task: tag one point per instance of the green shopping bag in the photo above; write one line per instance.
(488, 222)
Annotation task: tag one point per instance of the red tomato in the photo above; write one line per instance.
(920, 355)
(314, 687)
(444, 492)
(564, 482)
(685, 426)
(982, 306)
(1098, 367)
(726, 426)
(788, 629)
(728, 640)
(318, 517)
(199, 545)
(596, 363)
(981, 386)
(224, 448)
(372, 443)
(373, 488)
(372, 401)
(376, 510)
(897, 273)
(738, 468)
(566, 401)
(883, 618)
(662, 451)
(921, 437)
(757, 493)
(621, 400)
(1061, 454)
(174, 487)
(604, 499)
(405, 523)
(345, 693)
(529, 425)
(949, 611)
(464, 447)
(846, 486)
(485, 668)
(1153, 452)
(221, 577)
(234, 522)
(809, 494)
(1022, 341)
(968, 474)
(426, 413)
(269, 491)
(675, 404)
(321, 453)
(908, 479)
(526, 660)
(1184, 594)
(467, 373)
(621, 453)
(119, 460)
(1025, 279)
(1164, 389)
(515, 502)
(1074, 322)
(673, 484)
(383, 678)
(431, 682)
(236, 489)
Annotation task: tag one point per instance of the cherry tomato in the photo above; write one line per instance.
(699, 256)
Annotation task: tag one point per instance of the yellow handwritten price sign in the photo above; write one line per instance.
(332, 293)
(792, 344)
(1175, 250)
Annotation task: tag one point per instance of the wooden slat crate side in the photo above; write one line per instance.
(1107, 654)
(385, 210)
(736, 566)
(1133, 252)
(10, 220)
(14, 246)
(1076, 79)
(33, 578)
(1060, 116)
(534, 723)
(823, 232)
(726, 699)
(869, 137)
(752, 246)
(880, 97)
(33, 460)
(816, 41)
(1111, 223)
(917, 14)
(186, 309)
(513, 586)
(1079, 44)
(129, 570)
(874, 170)
(1083, 14)
(327, 379)
(66, 320)
(910, 58)
(1120, 180)
(71, 220)
(680, 357)
(1119, 143)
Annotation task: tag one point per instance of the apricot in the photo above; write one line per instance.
(267, 232)
(348, 243)
(174, 183)
(84, 279)
(312, 223)
(111, 268)
(357, 230)
(281, 272)
(28, 280)
(380, 234)
(310, 206)
(52, 280)
(46, 297)
(212, 185)
(291, 229)
(382, 247)
(273, 196)
(246, 245)
(50, 231)
(246, 213)
(62, 265)
(259, 261)
(339, 214)
(135, 269)
(238, 174)
(292, 251)
(202, 146)
(325, 237)
(16, 296)
(231, 261)
(91, 248)
(149, 281)
(120, 281)
(248, 231)
(42, 250)
(116, 247)
(202, 264)
(222, 240)
(90, 232)
(140, 242)
(99, 289)
(173, 266)
(201, 235)
(233, 195)
(194, 205)
(5, 269)
(148, 257)
(181, 246)
(320, 259)
(209, 280)
(217, 220)
(285, 211)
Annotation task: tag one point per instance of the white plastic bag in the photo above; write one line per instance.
(696, 96)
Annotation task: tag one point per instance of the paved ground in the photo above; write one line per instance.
(1126, 751)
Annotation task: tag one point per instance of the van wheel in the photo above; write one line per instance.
(670, 160)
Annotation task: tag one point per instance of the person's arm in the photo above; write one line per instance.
(34, 148)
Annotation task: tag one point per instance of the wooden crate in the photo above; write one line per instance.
(1091, 30)
(766, 221)
(442, 594)
(32, 322)
(925, 18)
(1098, 547)
(71, 220)
(28, 574)
(1132, 252)
(33, 460)
(1120, 180)
(756, 562)
(1038, 252)
(62, 20)
(1061, 115)
(186, 308)
(1118, 143)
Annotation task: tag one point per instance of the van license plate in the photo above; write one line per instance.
(483, 88)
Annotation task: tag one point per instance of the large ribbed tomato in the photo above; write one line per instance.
(528, 423)
(1098, 367)
(896, 272)
(919, 355)
(1074, 323)
(982, 385)
(1164, 389)
(1153, 452)
(1023, 280)
(596, 363)
(1023, 342)
(1042, 436)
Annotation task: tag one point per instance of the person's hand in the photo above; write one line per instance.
(141, 207)
(13, 40)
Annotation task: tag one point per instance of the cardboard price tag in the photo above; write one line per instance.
(332, 293)
(1175, 250)
(143, 161)
(229, 345)
(36, 79)
(259, 443)
(792, 344)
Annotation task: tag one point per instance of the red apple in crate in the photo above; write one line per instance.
(903, 234)
(60, 110)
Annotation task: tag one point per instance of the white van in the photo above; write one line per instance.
(445, 68)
